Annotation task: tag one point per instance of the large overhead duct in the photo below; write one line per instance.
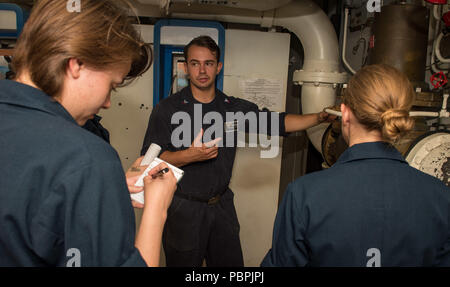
(320, 73)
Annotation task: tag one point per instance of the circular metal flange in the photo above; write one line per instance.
(431, 155)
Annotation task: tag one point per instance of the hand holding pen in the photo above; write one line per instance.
(160, 173)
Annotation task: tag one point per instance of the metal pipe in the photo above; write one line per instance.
(437, 51)
(436, 13)
(423, 114)
(411, 114)
(435, 32)
(344, 44)
(321, 49)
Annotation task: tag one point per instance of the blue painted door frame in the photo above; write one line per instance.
(162, 79)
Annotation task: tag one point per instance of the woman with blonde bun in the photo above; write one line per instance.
(370, 208)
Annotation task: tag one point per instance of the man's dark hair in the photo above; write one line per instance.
(206, 42)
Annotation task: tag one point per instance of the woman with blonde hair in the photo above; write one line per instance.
(370, 208)
(64, 199)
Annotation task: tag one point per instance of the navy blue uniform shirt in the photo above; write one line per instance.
(215, 174)
(95, 127)
(369, 209)
(62, 188)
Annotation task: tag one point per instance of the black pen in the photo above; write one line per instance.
(160, 173)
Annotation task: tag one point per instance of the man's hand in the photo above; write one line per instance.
(326, 117)
(132, 175)
(203, 151)
(198, 151)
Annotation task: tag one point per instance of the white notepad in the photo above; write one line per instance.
(152, 161)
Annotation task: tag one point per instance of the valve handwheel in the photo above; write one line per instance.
(438, 80)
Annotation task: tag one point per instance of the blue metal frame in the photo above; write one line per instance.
(21, 17)
(167, 51)
(161, 85)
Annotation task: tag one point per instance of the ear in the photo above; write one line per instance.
(219, 67)
(345, 114)
(73, 68)
(185, 67)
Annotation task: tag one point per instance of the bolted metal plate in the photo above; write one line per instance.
(432, 156)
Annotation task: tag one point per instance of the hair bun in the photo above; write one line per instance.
(395, 123)
(394, 113)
